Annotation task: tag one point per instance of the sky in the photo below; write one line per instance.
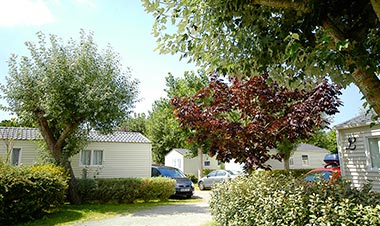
(122, 24)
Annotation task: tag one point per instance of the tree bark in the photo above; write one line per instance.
(200, 163)
(286, 163)
(369, 85)
(376, 7)
(285, 4)
(73, 195)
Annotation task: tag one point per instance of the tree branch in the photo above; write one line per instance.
(65, 133)
(301, 6)
(47, 134)
(333, 30)
(376, 7)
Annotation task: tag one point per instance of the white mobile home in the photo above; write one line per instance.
(359, 150)
(116, 155)
(306, 156)
(183, 160)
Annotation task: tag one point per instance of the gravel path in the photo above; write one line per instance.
(194, 213)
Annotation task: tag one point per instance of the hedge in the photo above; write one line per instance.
(286, 200)
(29, 192)
(125, 190)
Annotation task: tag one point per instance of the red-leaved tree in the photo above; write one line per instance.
(244, 118)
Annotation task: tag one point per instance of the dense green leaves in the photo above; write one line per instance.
(161, 126)
(285, 200)
(27, 193)
(243, 119)
(294, 41)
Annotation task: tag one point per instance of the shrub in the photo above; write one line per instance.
(125, 190)
(192, 177)
(28, 192)
(285, 200)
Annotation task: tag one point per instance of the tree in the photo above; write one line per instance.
(291, 39)
(324, 139)
(162, 127)
(286, 149)
(66, 90)
(243, 119)
(135, 123)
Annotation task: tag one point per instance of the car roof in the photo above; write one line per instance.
(325, 169)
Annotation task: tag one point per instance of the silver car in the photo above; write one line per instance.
(216, 176)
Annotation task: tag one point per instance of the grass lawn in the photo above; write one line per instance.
(71, 214)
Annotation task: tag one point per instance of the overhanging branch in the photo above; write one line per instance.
(285, 4)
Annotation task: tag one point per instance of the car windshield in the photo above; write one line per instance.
(172, 173)
(326, 175)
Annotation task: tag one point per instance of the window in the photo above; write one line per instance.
(374, 152)
(15, 156)
(91, 157)
(207, 163)
(305, 160)
(291, 161)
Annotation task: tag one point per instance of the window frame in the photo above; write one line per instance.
(92, 157)
(368, 152)
(19, 156)
(308, 160)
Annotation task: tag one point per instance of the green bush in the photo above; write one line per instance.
(125, 190)
(285, 200)
(293, 172)
(28, 192)
(193, 178)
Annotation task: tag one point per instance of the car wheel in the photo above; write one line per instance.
(188, 196)
(201, 186)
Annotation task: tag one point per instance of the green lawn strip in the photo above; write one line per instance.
(71, 214)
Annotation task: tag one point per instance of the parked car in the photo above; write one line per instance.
(331, 171)
(216, 176)
(184, 186)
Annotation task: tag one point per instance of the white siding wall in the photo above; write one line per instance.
(355, 163)
(189, 165)
(175, 159)
(29, 151)
(315, 160)
(120, 160)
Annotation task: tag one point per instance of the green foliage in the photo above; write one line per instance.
(193, 178)
(135, 123)
(65, 87)
(291, 172)
(325, 140)
(284, 200)
(296, 41)
(125, 190)
(162, 128)
(28, 193)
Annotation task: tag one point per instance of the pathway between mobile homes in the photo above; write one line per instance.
(194, 213)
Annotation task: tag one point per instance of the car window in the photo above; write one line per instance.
(172, 173)
(221, 173)
(212, 174)
(155, 172)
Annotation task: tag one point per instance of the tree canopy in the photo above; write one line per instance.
(243, 119)
(162, 127)
(293, 40)
(66, 89)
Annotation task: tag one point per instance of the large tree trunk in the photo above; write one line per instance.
(369, 85)
(73, 195)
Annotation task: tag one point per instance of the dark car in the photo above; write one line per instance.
(184, 186)
(331, 171)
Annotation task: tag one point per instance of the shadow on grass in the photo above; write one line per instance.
(71, 214)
